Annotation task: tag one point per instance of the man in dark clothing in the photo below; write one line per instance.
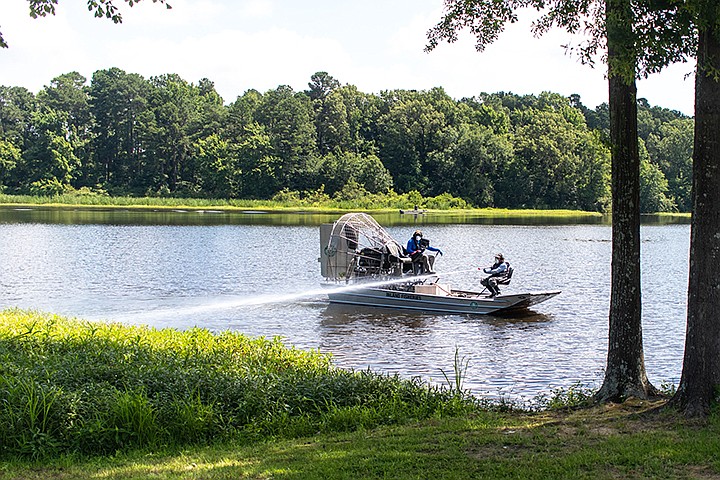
(498, 272)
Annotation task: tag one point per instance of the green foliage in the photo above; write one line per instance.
(557, 160)
(17, 105)
(668, 389)
(165, 137)
(47, 188)
(653, 189)
(666, 149)
(577, 395)
(444, 201)
(632, 440)
(99, 8)
(670, 147)
(9, 158)
(31, 411)
(456, 379)
(471, 166)
(94, 388)
(639, 38)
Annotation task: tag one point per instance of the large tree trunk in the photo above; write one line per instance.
(625, 371)
(701, 365)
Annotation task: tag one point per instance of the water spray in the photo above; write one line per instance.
(259, 300)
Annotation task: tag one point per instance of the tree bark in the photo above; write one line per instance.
(701, 365)
(625, 374)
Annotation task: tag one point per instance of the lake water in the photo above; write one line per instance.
(259, 274)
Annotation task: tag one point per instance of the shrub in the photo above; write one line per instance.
(47, 188)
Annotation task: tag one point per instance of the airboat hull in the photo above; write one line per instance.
(457, 302)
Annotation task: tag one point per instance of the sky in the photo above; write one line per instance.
(239, 45)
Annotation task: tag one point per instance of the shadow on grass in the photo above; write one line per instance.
(605, 442)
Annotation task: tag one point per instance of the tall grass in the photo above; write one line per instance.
(288, 201)
(93, 388)
(155, 202)
(283, 200)
(456, 379)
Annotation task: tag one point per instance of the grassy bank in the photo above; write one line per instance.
(630, 441)
(73, 387)
(93, 400)
(284, 203)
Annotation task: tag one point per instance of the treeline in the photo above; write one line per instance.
(126, 135)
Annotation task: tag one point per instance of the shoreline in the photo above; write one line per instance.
(270, 207)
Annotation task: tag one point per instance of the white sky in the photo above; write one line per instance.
(242, 44)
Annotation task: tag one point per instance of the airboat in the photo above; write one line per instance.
(364, 265)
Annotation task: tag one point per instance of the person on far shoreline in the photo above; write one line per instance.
(416, 247)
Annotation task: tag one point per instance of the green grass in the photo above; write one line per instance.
(101, 201)
(629, 441)
(74, 387)
(107, 401)
(444, 204)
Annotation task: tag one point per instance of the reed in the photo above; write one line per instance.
(71, 386)
(460, 367)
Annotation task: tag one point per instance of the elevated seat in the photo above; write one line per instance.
(499, 280)
(397, 256)
(506, 279)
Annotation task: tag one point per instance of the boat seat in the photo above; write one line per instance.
(396, 253)
(506, 279)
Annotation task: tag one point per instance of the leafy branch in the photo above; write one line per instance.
(100, 8)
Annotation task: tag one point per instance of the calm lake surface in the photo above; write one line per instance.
(259, 274)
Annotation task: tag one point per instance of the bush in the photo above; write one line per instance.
(446, 201)
(577, 395)
(47, 188)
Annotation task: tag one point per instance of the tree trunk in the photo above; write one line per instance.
(625, 371)
(701, 365)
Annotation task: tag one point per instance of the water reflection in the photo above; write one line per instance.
(119, 216)
(341, 315)
(503, 353)
(529, 317)
(338, 314)
(155, 216)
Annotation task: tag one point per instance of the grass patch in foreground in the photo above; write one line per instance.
(166, 404)
(629, 441)
(72, 387)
